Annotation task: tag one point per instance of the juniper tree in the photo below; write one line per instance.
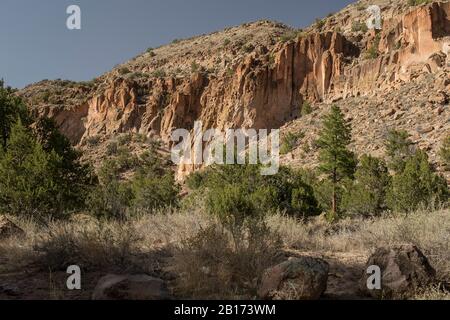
(11, 109)
(367, 195)
(337, 162)
(28, 185)
(399, 148)
(417, 185)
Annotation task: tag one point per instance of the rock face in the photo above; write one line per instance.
(296, 279)
(403, 269)
(8, 228)
(130, 287)
(245, 77)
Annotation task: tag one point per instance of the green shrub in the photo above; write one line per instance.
(320, 23)
(34, 182)
(248, 48)
(445, 152)
(367, 194)
(417, 185)
(290, 141)
(359, 26)
(150, 52)
(150, 188)
(159, 73)
(195, 67)
(241, 188)
(289, 36)
(124, 70)
(11, 109)
(306, 109)
(372, 50)
(399, 148)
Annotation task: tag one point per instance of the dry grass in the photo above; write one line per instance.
(204, 260)
(430, 231)
(215, 264)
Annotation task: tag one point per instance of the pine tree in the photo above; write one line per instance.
(337, 162)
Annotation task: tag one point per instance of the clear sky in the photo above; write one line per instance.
(36, 44)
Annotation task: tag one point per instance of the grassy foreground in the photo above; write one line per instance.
(199, 259)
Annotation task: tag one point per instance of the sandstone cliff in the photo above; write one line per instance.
(258, 75)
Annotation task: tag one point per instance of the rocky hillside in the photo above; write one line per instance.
(259, 75)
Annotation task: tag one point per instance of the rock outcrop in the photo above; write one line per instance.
(302, 278)
(404, 269)
(246, 77)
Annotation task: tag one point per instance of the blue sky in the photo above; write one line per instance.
(37, 45)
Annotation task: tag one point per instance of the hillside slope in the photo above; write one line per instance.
(258, 75)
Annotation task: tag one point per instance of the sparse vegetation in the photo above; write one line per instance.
(359, 26)
(413, 3)
(445, 153)
(290, 141)
(306, 109)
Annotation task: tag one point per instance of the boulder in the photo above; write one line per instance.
(404, 269)
(130, 287)
(302, 278)
(8, 228)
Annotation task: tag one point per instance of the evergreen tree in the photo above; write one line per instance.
(336, 161)
(11, 109)
(367, 195)
(417, 185)
(28, 185)
(74, 178)
(399, 148)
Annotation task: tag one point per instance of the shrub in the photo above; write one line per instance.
(93, 140)
(226, 42)
(11, 109)
(124, 70)
(367, 195)
(241, 188)
(217, 265)
(306, 109)
(417, 185)
(151, 187)
(290, 141)
(445, 153)
(359, 26)
(372, 50)
(195, 67)
(159, 73)
(289, 36)
(152, 192)
(399, 149)
(150, 52)
(248, 48)
(320, 23)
